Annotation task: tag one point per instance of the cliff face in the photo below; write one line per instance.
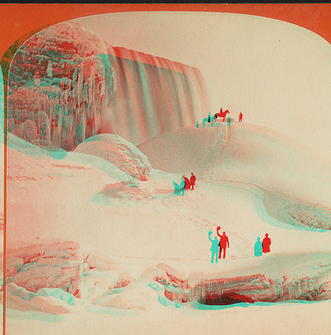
(71, 85)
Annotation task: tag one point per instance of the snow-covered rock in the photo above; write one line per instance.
(119, 152)
(18, 298)
(305, 277)
(55, 265)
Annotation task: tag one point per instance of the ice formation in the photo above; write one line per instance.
(66, 85)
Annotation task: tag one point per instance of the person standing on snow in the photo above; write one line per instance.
(182, 186)
(214, 248)
(258, 248)
(187, 183)
(177, 188)
(241, 117)
(224, 243)
(266, 244)
(192, 180)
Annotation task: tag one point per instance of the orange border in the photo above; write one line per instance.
(18, 20)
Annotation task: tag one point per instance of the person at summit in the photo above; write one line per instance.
(229, 121)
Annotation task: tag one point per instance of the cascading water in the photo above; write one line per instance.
(66, 85)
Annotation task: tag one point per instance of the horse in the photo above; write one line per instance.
(222, 114)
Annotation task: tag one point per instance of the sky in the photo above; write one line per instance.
(276, 73)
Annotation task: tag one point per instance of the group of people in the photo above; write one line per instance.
(185, 184)
(218, 246)
(212, 118)
(262, 246)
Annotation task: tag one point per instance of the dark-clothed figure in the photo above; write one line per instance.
(224, 243)
(177, 188)
(214, 248)
(182, 186)
(266, 244)
(187, 183)
(258, 248)
(197, 124)
(192, 180)
(229, 121)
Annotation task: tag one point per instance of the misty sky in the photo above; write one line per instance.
(277, 74)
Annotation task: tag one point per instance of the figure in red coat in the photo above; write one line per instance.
(266, 244)
(224, 243)
(192, 180)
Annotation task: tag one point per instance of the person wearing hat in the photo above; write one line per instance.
(224, 243)
(266, 244)
(192, 180)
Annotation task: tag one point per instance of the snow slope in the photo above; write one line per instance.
(289, 175)
(142, 252)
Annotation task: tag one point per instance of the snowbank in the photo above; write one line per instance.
(119, 152)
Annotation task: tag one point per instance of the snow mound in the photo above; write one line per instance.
(243, 153)
(44, 148)
(297, 212)
(119, 152)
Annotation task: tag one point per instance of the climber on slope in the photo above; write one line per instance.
(192, 180)
(182, 186)
(187, 183)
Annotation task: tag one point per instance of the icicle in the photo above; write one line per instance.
(37, 78)
(74, 76)
(49, 69)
